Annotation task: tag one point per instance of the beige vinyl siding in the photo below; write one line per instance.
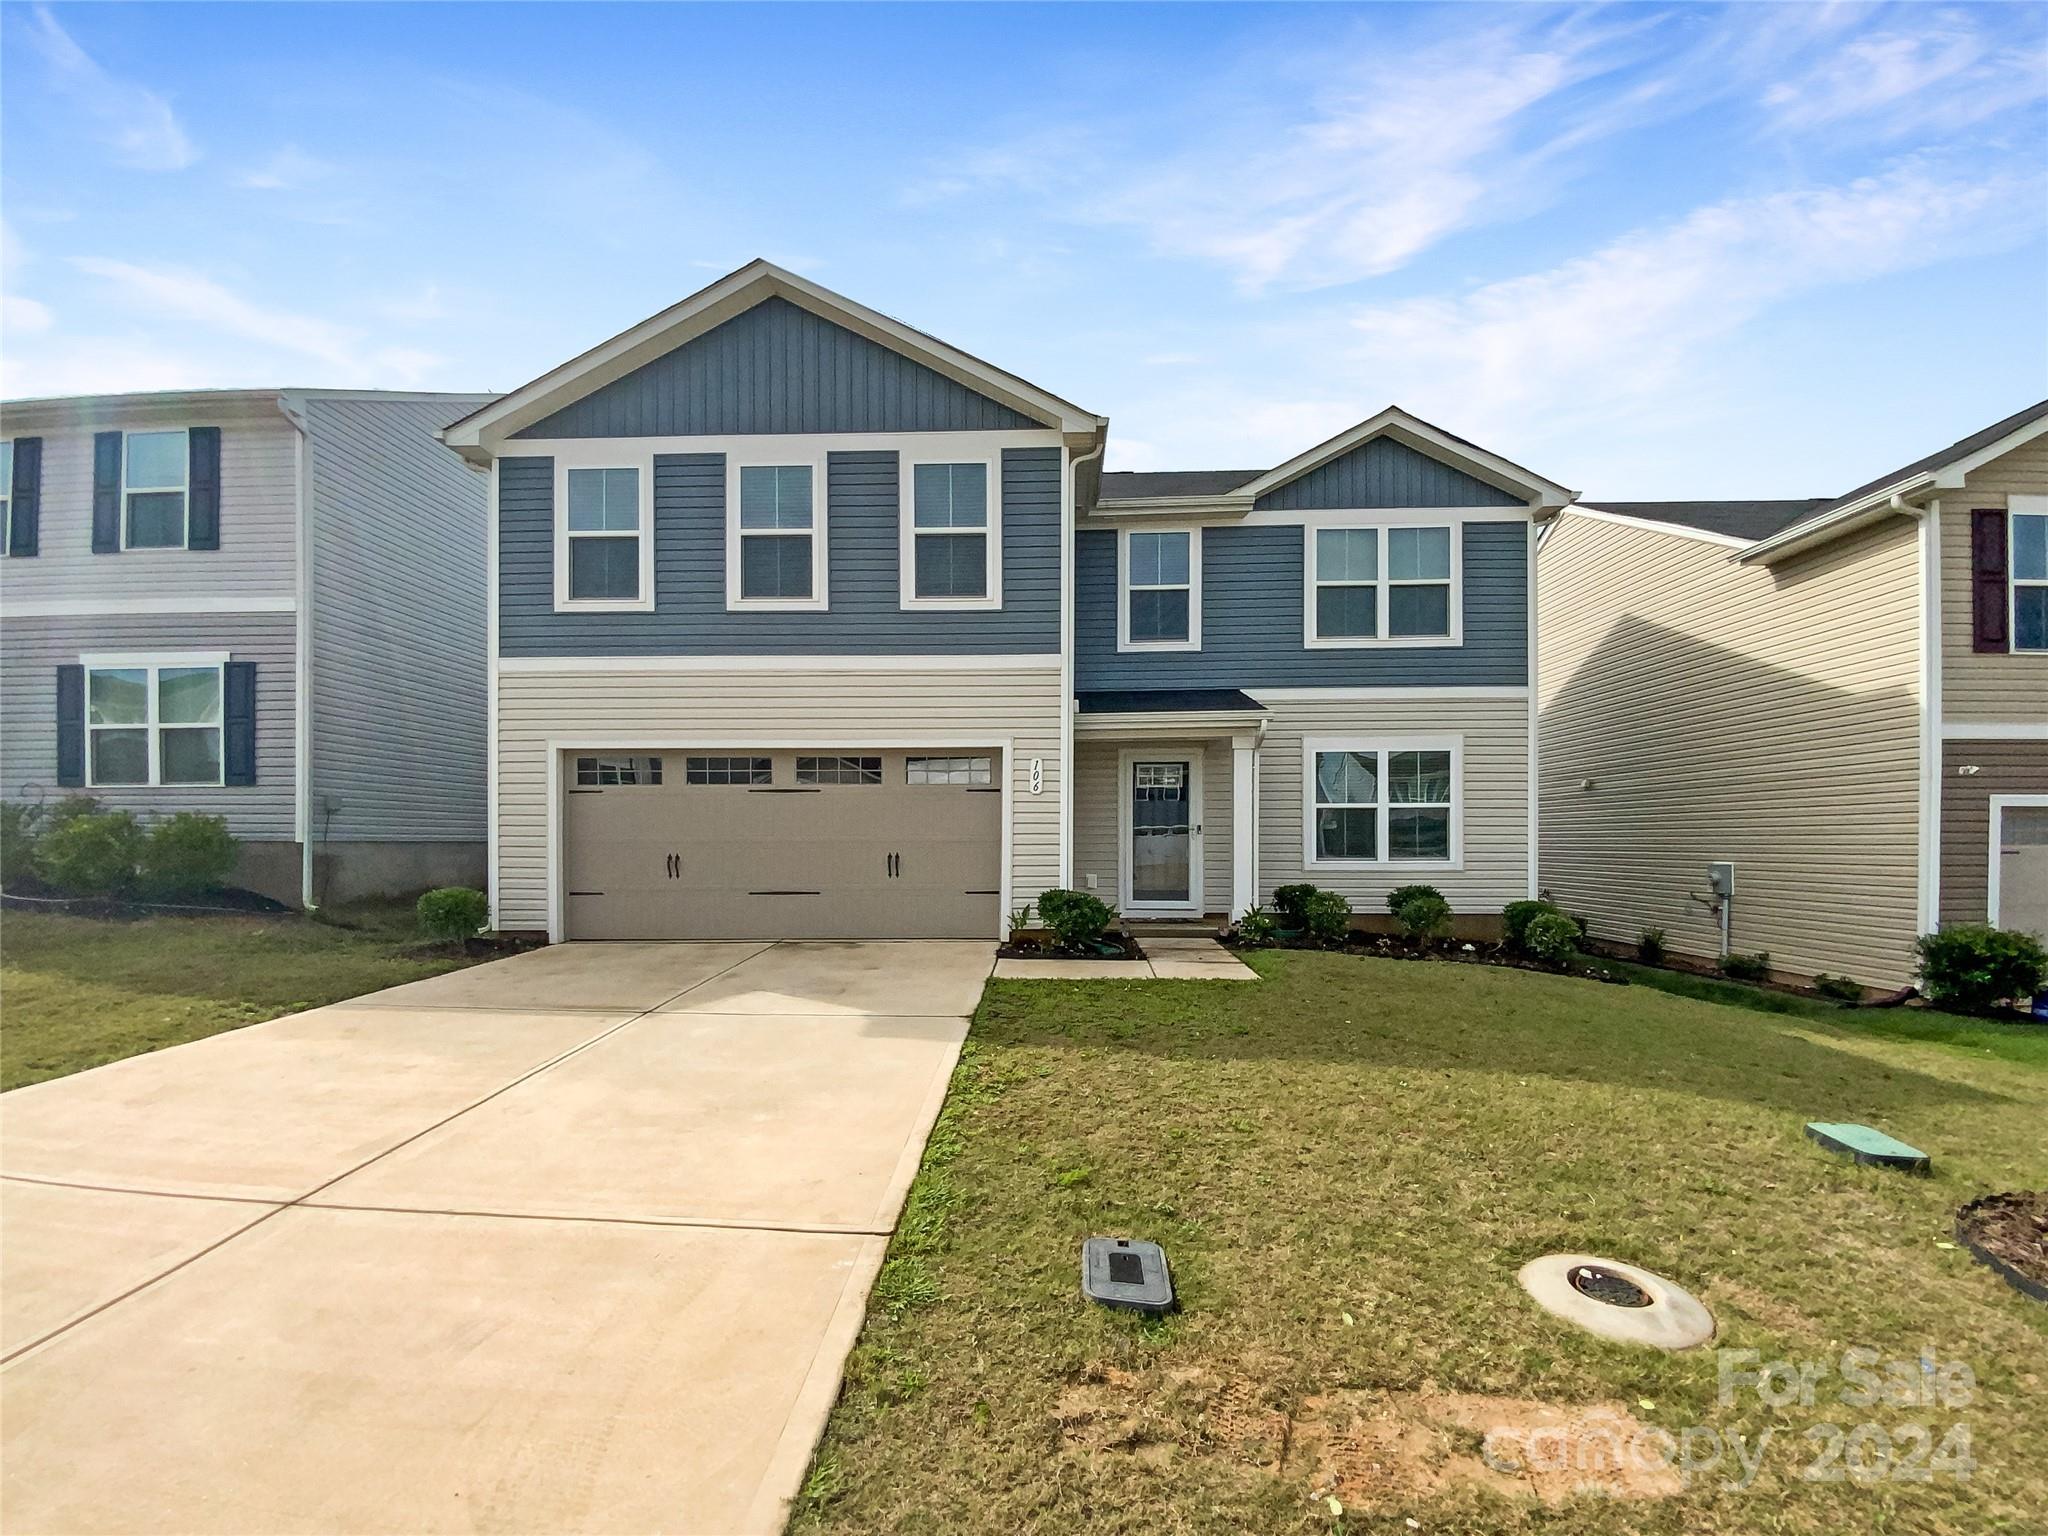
(769, 708)
(1971, 773)
(1987, 688)
(1494, 810)
(1099, 793)
(32, 649)
(258, 551)
(1695, 709)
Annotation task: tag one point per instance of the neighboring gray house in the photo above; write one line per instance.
(804, 622)
(261, 604)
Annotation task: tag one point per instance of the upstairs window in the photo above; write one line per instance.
(952, 549)
(7, 493)
(1160, 605)
(1375, 585)
(155, 471)
(152, 723)
(604, 535)
(776, 539)
(1382, 802)
(2030, 581)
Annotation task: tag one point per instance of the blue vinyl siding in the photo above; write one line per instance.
(690, 616)
(1252, 620)
(1384, 473)
(778, 368)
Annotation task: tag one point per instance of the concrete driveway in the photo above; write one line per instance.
(572, 1242)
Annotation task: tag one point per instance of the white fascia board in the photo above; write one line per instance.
(1418, 434)
(1950, 476)
(1656, 525)
(1869, 508)
(475, 435)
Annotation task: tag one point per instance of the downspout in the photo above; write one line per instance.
(302, 645)
(1069, 520)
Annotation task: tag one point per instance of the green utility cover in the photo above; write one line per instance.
(1869, 1145)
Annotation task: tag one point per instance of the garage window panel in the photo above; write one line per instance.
(617, 772)
(949, 770)
(727, 770)
(839, 770)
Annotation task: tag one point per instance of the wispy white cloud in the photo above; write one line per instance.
(287, 170)
(136, 123)
(174, 293)
(1940, 71)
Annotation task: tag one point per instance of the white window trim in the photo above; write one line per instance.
(1998, 806)
(598, 455)
(1312, 745)
(1314, 641)
(908, 532)
(765, 457)
(2034, 506)
(184, 487)
(154, 662)
(1124, 642)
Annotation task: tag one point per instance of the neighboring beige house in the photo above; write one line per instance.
(1846, 699)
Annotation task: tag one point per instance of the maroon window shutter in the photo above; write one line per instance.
(1989, 603)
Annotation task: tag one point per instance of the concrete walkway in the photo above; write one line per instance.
(1165, 960)
(573, 1242)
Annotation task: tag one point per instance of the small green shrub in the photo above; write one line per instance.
(91, 852)
(1975, 967)
(188, 854)
(1327, 916)
(20, 826)
(1421, 910)
(1551, 937)
(1076, 918)
(1756, 967)
(453, 913)
(1516, 917)
(1843, 989)
(71, 807)
(1291, 902)
(1650, 946)
(1256, 928)
(1020, 922)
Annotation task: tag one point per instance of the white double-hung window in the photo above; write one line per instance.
(604, 541)
(1159, 596)
(1382, 585)
(775, 536)
(1392, 801)
(952, 551)
(2029, 580)
(156, 469)
(153, 719)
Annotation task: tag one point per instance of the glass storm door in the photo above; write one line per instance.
(1162, 833)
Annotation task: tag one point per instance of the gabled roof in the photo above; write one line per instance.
(1237, 490)
(709, 307)
(1746, 521)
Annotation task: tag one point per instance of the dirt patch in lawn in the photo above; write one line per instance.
(1371, 1449)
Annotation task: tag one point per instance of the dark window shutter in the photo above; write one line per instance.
(25, 498)
(238, 713)
(1989, 603)
(71, 727)
(203, 528)
(106, 493)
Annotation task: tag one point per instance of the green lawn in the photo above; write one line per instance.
(76, 992)
(1347, 1163)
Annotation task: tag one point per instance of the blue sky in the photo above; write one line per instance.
(1648, 250)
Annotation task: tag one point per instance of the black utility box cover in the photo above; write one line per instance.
(1126, 1272)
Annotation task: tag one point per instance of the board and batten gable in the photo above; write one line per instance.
(259, 500)
(397, 623)
(865, 616)
(1975, 686)
(778, 368)
(1695, 709)
(1383, 473)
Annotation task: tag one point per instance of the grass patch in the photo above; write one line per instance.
(79, 992)
(1347, 1163)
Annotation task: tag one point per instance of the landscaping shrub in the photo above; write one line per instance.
(1756, 967)
(1551, 937)
(1421, 910)
(1516, 917)
(1291, 902)
(91, 852)
(1843, 989)
(454, 913)
(1650, 946)
(1076, 918)
(1975, 967)
(20, 825)
(188, 854)
(1020, 923)
(1327, 916)
(1256, 928)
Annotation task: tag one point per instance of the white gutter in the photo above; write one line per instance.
(1867, 508)
(1069, 519)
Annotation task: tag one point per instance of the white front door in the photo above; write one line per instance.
(1162, 831)
(2019, 863)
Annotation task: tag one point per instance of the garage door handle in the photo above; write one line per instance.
(675, 866)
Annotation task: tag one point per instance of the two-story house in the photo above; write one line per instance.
(1846, 698)
(266, 605)
(804, 622)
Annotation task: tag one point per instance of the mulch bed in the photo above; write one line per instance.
(2009, 1234)
(34, 897)
(1115, 946)
(1388, 946)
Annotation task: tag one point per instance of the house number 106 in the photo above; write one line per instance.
(1037, 775)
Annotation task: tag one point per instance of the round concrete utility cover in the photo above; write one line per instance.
(1616, 1301)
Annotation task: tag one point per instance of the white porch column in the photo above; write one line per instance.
(1244, 823)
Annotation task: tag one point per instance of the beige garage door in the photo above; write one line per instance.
(783, 845)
